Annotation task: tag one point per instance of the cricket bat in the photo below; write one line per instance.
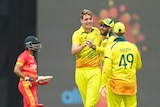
(44, 78)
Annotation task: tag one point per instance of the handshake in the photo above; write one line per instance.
(90, 44)
(41, 80)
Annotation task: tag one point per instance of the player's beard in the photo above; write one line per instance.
(34, 52)
(103, 33)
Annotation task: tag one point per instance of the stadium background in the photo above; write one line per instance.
(54, 21)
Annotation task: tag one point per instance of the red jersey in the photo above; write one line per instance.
(28, 63)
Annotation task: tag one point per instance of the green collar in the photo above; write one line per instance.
(120, 38)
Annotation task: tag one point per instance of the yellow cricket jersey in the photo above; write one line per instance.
(122, 60)
(87, 57)
(105, 42)
(109, 39)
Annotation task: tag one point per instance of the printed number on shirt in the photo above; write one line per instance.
(126, 60)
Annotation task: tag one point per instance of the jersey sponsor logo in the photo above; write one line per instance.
(71, 97)
(33, 66)
(31, 61)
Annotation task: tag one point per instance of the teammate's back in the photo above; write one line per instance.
(121, 62)
(126, 58)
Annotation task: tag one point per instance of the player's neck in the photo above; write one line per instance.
(31, 52)
(88, 30)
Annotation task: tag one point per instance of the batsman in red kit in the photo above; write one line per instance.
(26, 69)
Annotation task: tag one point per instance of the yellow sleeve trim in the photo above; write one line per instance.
(19, 63)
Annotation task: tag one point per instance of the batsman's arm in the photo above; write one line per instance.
(17, 71)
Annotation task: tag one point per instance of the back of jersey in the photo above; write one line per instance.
(125, 61)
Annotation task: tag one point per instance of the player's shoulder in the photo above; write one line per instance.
(23, 54)
(132, 44)
(111, 45)
(111, 38)
(95, 29)
(78, 31)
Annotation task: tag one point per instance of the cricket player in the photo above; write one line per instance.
(106, 27)
(122, 60)
(88, 72)
(106, 30)
(26, 69)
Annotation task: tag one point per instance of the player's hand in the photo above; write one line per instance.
(31, 80)
(89, 43)
(103, 91)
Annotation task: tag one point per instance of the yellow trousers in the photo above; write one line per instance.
(115, 100)
(88, 82)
